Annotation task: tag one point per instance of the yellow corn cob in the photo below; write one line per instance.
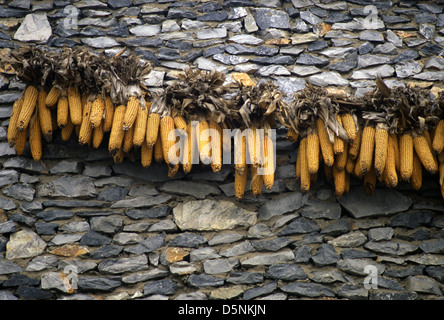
(97, 109)
(370, 181)
(292, 135)
(180, 123)
(109, 113)
(12, 127)
(298, 163)
(44, 116)
(20, 141)
(119, 156)
(424, 153)
(416, 178)
(240, 156)
(406, 156)
(140, 126)
(240, 182)
(172, 170)
(438, 137)
(428, 137)
(324, 142)
(85, 133)
(53, 96)
(305, 174)
(257, 181)
(117, 134)
(166, 125)
(203, 139)
(97, 136)
(216, 145)
(75, 105)
(367, 148)
(269, 165)
(146, 155)
(350, 165)
(358, 172)
(29, 104)
(355, 146)
(35, 138)
(338, 144)
(313, 152)
(341, 159)
(251, 146)
(152, 129)
(339, 178)
(381, 141)
(127, 144)
(391, 177)
(62, 111)
(349, 125)
(158, 150)
(132, 108)
(67, 130)
(188, 150)
(395, 142)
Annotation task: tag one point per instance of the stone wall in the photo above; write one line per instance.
(78, 226)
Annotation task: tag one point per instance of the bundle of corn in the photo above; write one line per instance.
(254, 141)
(314, 118)
(30, 113)
(397, 135)
(196, 105)
(77, 91)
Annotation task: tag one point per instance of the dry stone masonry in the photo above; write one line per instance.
(77, 226)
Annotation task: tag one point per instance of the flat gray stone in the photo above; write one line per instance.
(35, 27)
(24, 244)
(349, 240)
(383, 71)
(269, 258)
(100, 42)
(311, 290)
(423, 284)
(116, 266)
(245, 39)
(67, 186)
(330, 78)
(211, 215)
(141, 201)
(321, 210)
(145, 30)
(270, 18)
(383, 202)
(280, 206)
(194, 189)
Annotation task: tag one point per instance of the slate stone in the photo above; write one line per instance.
(33, 293)
(147, 245)
(357, 266)
(8, 177)
(163, 287)
(158, 212)
(24, 219)
(302, 254)
(112, 194)
(188, 240)
(393, 296)
(7, 204)
(311, 290)
(382, 203)
(353, 291)
(311, 60)
(353, 239)
(121, 265)
(259, 291)
(271, 245)
(435, 272)
(106, 251)
(245, 39)
(327, 79)
(67, 186)
(94, 239)
(378, 234)
(239, 277)
(35, 27)
(280, 206)
(8, 267)
(386, 48)
(141, 201)
(211, 215)
(269, 259)
(432, 246)
(24, 244)
(100, 42)
(406, 55)
(329, 276)
(107, 224)
(300, 226)
(270, 18)
(321, 210)
(7, 227)
(286, 271)
(43, 228)
(431, 49)
(49, 215)
(20, 191)
(88, 283)
(411, 219)
(213, 16)
(423, 284)
(370, 35)
(391, 247)
(325, 255)
(277, 70)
